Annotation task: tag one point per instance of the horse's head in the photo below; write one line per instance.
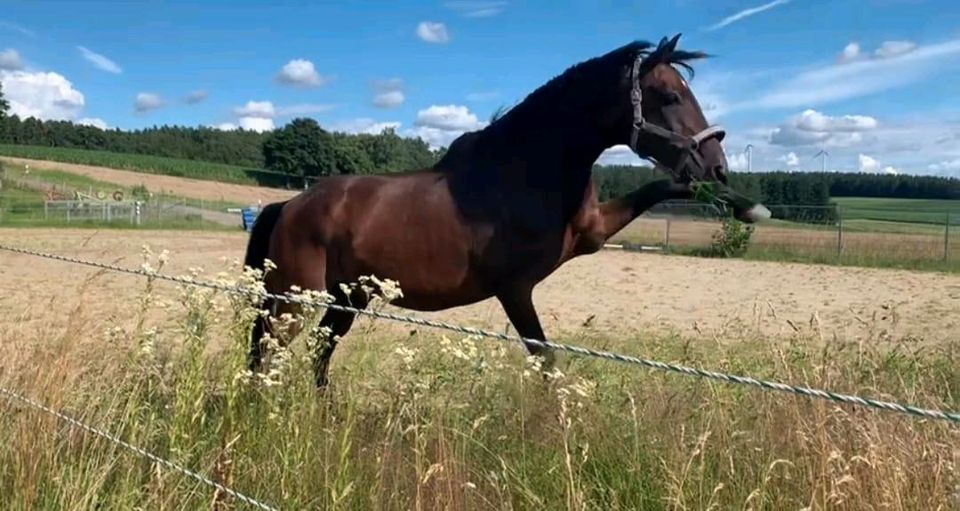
(667, 126)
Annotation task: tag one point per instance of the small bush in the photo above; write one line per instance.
(732, 240)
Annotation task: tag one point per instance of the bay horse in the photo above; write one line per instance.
(504, 207)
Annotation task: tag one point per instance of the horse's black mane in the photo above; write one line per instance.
(586, 71)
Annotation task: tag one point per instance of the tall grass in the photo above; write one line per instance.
(414, 419)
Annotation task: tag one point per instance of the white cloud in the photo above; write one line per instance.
(477, 8)
(737, 161)
(812, 120)
(867, 163)
(195, 97)
(259, 115)
(946, 166)
(44, 95)
(260, 124)
(364, 125)
(435, 138)
(890, 49)
(259, 109)
(790, 159)
(859, 78)
(301, 73)
(870, 165)
(812, 127)
(620, 155)
(388, 93)
(916, 144)
(147, 101)
(99, 61)
(747, 13)
(449, 118)
(439, 125)
(10, 60)
(96, 122)
(433, 32)
(850, 52)
(388, 99)
(267, 110)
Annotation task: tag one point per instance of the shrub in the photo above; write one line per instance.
(732, 240)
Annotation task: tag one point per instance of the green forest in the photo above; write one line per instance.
(303, 149)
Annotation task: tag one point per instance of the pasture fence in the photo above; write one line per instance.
(14, 396)
(826, 233)
(471, 331)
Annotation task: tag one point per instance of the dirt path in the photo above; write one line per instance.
(620, 293)
(180, 186)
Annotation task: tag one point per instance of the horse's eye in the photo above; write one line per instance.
(671, 97)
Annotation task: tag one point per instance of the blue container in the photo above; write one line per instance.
(249, 215)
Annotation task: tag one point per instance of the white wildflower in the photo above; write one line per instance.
(406, 354)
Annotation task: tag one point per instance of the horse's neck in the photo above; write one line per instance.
(534, 158)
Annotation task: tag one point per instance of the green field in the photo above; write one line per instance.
(922, 211)
(138, 162)
(65, 182)
(22, 204)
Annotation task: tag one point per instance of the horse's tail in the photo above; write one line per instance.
(259, 243)
(257, 249)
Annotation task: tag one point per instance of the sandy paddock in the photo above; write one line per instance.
(621, 293)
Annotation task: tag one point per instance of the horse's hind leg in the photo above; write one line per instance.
(518, 305)
(339, 322)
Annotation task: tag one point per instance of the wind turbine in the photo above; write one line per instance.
(749, 151)
(823, 159)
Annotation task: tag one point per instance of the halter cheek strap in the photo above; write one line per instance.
(689, 146)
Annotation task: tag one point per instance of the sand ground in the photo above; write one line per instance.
(618, 293)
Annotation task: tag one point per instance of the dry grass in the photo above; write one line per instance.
(415, 420)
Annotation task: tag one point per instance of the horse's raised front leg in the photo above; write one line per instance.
(518, 304)
(615, 214)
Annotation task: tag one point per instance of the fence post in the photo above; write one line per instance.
(666, 237)
(839, 231)
(946, 237)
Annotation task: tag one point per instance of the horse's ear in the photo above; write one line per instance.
(672, 44)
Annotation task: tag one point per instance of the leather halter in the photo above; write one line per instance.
(688, 145)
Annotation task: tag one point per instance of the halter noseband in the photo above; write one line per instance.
(689, 146)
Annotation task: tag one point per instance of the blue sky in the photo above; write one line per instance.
(874, 82)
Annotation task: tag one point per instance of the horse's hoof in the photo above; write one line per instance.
(548, 361)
